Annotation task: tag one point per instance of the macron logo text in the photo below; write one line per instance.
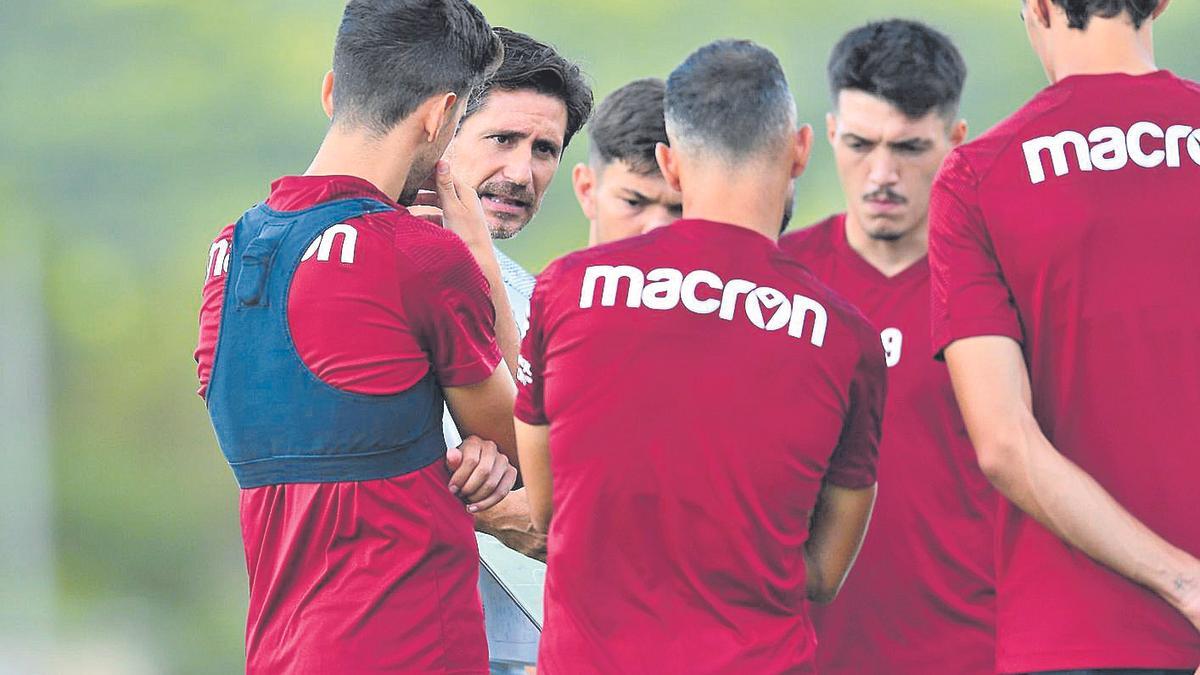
(1146, 144)
(703, 292)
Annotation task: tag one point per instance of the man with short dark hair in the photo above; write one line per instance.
(333, 326)
(508, 148)
(620, 188)
(922, 596)
(1064, 246)
(692, 516)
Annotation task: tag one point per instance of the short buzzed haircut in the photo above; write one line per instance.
(729, 98)
(536, 66)
(628, 125)
(1079, 12)
(392, 55)
(906, 63)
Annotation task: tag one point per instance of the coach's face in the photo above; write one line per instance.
(509, 151)
(887, 162)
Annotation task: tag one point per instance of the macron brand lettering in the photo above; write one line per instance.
(1109, 148)
(323, 245)
(703, 292)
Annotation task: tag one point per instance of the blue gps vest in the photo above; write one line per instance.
(275, 420)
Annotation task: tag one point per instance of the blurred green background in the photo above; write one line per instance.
(132, 130)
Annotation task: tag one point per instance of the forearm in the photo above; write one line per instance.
(836, 532)
(507, 335)
(1069, 502)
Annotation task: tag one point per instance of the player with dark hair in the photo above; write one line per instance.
(1063, 247)
(508, 148)
(693, 517)
(922, 596)
(333, 325)
(620, 188)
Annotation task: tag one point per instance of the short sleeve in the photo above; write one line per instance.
(531, 405)
(212, 300)
(451, 310)
(854, 461)
(968, 290)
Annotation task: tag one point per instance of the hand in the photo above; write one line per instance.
(481, 474)
(510, 523)
(461, 211)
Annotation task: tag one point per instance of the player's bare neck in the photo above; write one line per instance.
(889, 257)
(745, 199)
(1108, 46)
(362, 155)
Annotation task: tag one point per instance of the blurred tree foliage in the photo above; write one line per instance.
(134, 129)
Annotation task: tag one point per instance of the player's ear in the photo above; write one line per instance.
(958, 133)
(1042, 11)
(668, 164)
(327, 94)
(831, 127)
(801, 149)
(1162, 7)
(583, 179)
(438, 115)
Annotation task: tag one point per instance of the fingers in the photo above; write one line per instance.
(470, 449)
(447, 192)
(483, 471)
(507, 480)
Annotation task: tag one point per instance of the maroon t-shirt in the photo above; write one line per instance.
(381, 574)
(921, 596)
(699, 385)
(1073, 228)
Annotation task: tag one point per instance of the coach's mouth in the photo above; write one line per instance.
(509, 205)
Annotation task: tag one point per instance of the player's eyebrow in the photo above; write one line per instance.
(914, 144)
(855, 138)
(630, 193)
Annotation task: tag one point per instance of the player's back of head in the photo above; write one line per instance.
(627, 126)
(729, 100)
(910, 65)
(529, 64)
(391, 55)
(1080, 12)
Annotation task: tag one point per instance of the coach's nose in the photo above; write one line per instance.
(518, 168)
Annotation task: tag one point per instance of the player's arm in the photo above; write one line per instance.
(533, 443)
(991, 384)
(463, 214)
(483, 470)
(843, 508)
(836, 532)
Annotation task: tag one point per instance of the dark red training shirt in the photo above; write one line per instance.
(1073, 227)
(381, 574)
(699, 385)
(921, 596)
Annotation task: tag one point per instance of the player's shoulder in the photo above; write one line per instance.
(620, 252)
(803, 281)
(974, 159)
(429, 248)
(816, 239)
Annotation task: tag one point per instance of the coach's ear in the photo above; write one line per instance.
(801, 149)
(668, 164)
(1162, 7)
(327, 94)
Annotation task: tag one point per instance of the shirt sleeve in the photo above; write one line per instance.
(451, 310)
(854, 461)
(531, 403)
(212, 300)
(969, 294)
